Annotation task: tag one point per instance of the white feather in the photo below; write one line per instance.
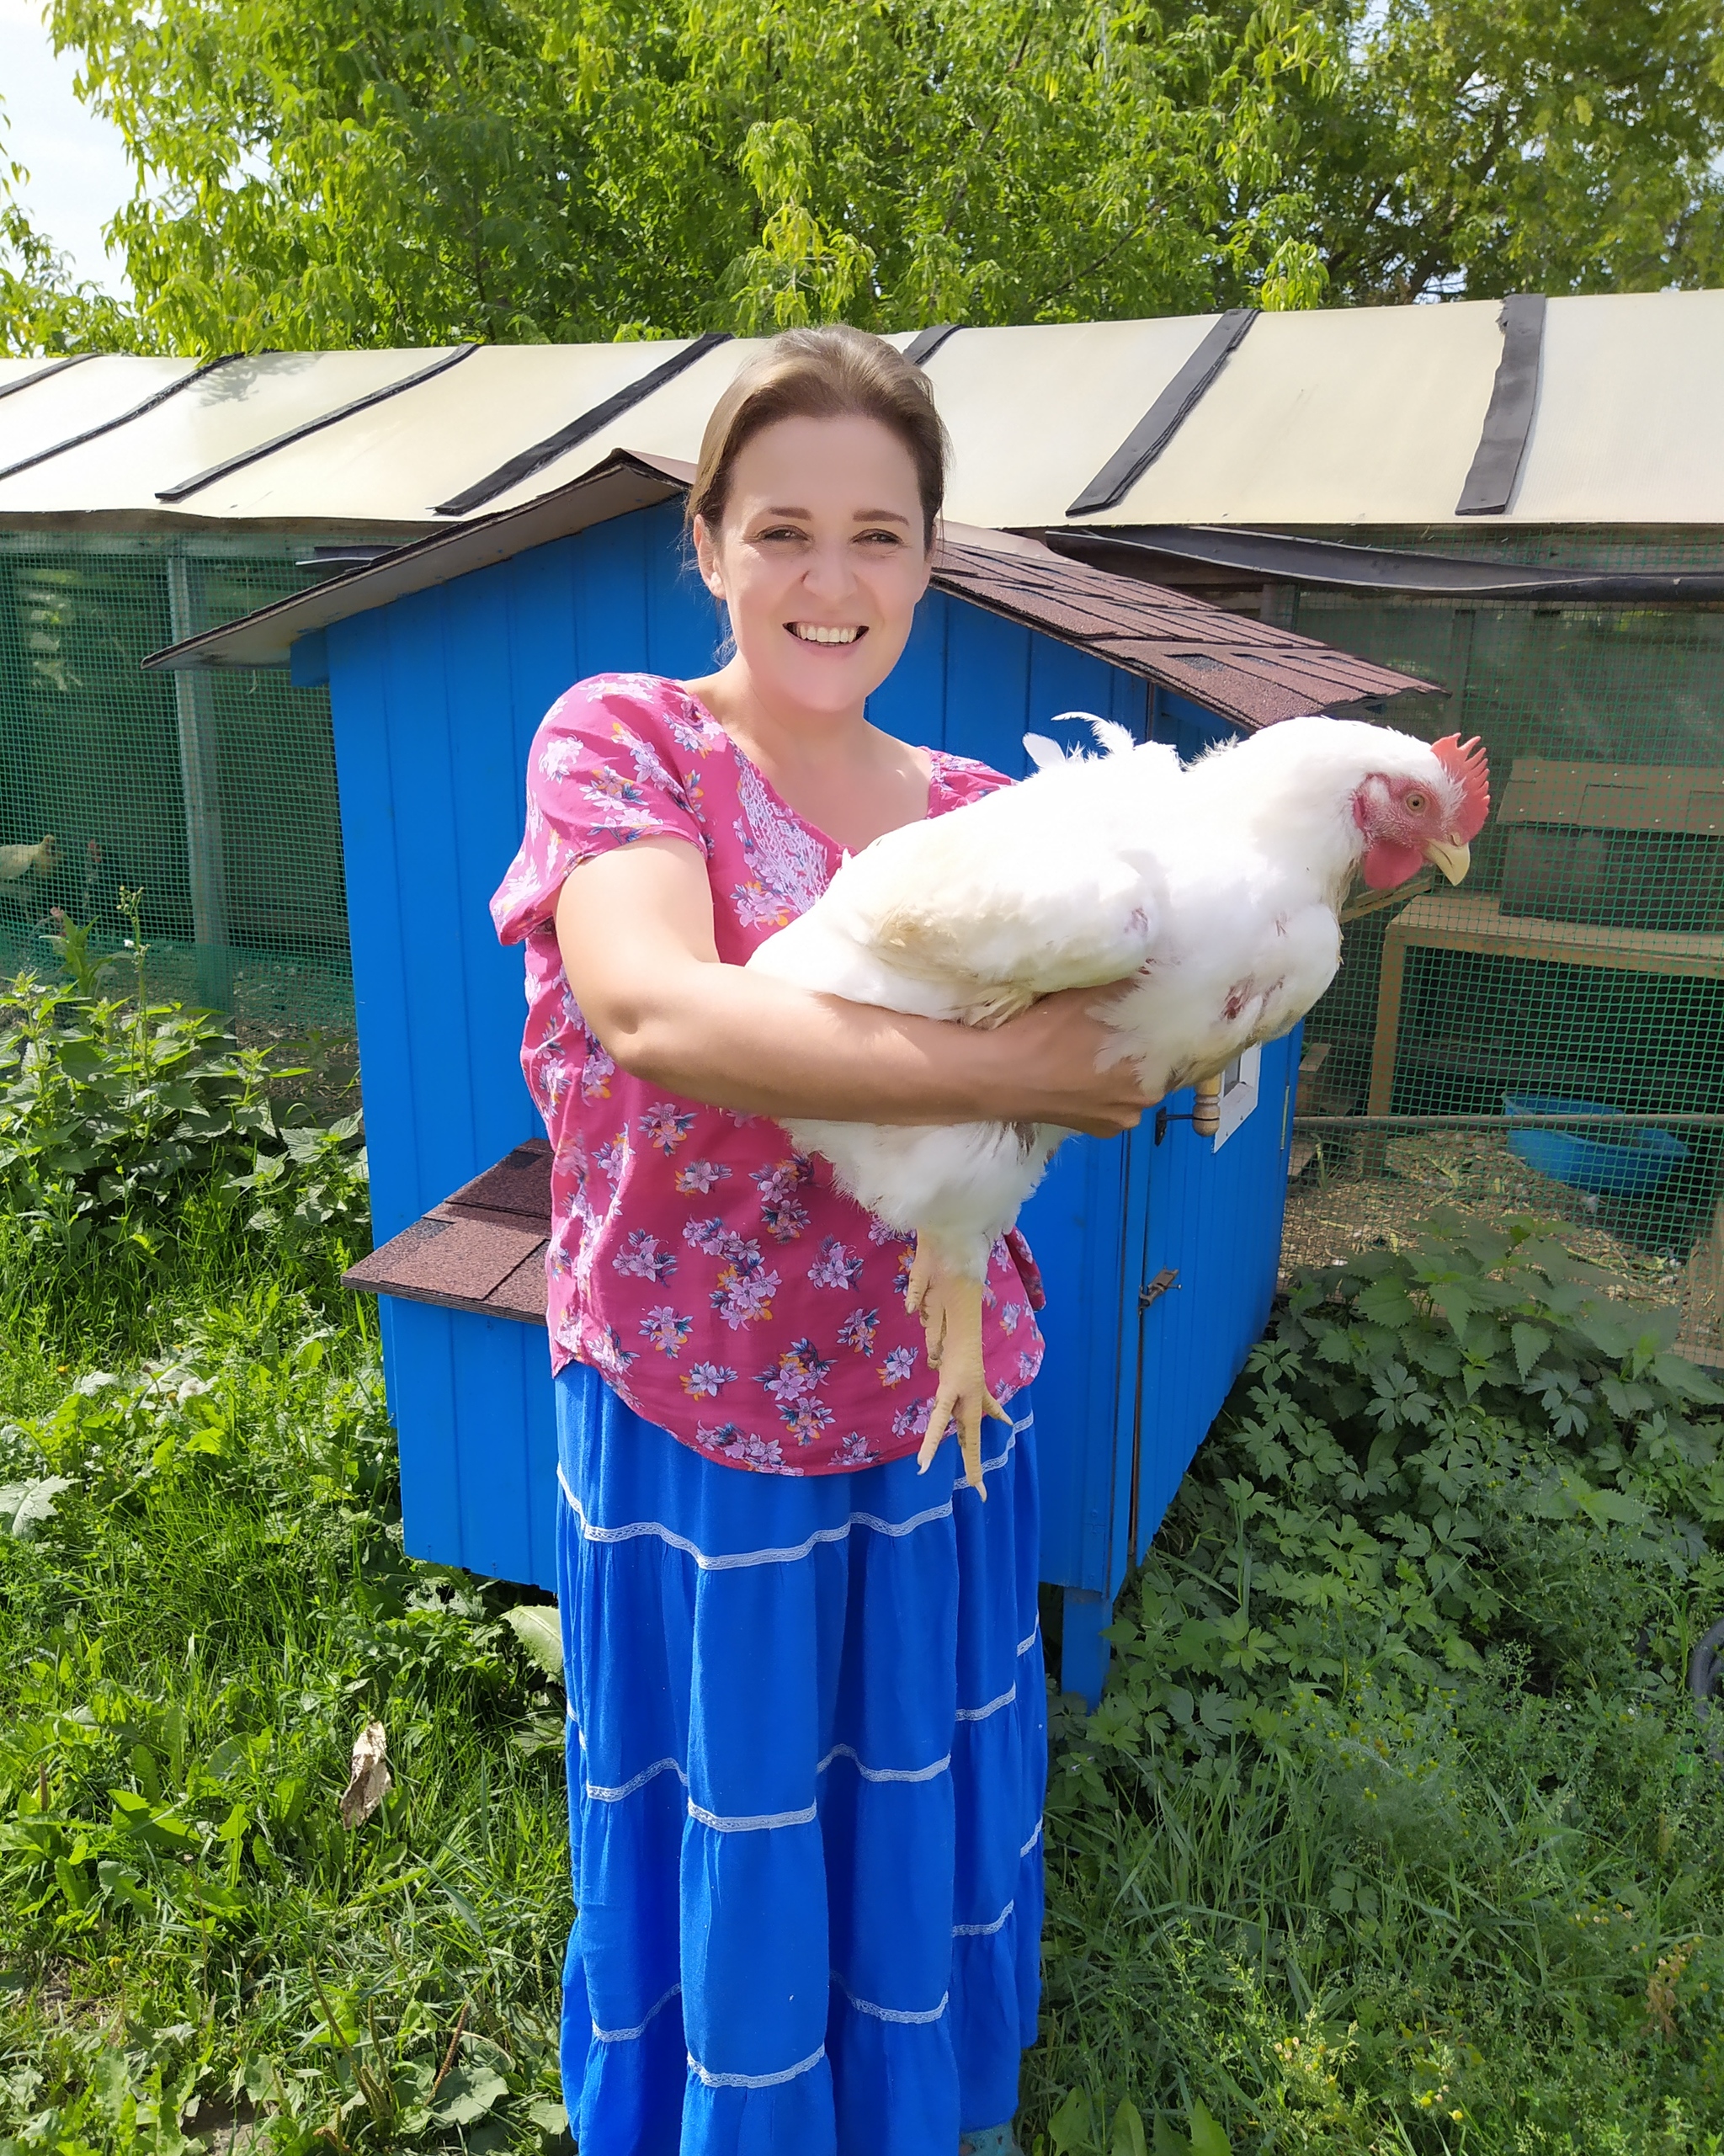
(1216, 885)
(1114, 739)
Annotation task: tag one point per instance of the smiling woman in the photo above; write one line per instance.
(807, 1725)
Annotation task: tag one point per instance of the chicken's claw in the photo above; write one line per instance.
(950, 1307)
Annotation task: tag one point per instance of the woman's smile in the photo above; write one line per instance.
(823, 632)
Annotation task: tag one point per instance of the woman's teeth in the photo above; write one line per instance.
(814, 632)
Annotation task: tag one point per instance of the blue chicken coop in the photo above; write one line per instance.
(1159, 1251)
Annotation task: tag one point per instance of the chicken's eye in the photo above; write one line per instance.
(1415, 804)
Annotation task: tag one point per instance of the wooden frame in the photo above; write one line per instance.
(1470, 921)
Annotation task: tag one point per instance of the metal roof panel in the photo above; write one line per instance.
(232, 407)
(1630, 424)
(1359, 415)
(425, 447)
(1367, 417)
(1035, 412)
(68, 403)
(668, 423)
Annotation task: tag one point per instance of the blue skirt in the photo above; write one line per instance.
(807, 1748)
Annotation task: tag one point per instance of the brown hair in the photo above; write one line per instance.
(831, 373)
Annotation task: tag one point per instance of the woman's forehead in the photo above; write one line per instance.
(849, 463)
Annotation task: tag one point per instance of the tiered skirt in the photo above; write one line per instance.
(807, 1747)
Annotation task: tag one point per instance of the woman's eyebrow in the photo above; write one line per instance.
(858, 516)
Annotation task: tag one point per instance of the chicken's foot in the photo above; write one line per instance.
(949, 1303)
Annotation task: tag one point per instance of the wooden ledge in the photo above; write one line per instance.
(483, 1250)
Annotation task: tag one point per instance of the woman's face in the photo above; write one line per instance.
(820, 560)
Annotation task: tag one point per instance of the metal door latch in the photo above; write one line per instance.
(1154, 1291)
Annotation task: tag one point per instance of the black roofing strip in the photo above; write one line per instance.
(42, 374)
(922, 346)
(1166, 415)
(534, 459)
(179, 492)
(1502, 443)
(1335, 565)
(125, 418)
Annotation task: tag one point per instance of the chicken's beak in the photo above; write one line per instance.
(1453, 860)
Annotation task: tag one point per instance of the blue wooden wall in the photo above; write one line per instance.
(435, 699)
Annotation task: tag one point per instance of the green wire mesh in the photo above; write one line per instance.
(212, 793)
(1581, 966)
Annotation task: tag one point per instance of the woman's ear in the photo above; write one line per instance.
(706, 556)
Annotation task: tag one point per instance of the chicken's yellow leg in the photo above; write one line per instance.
(950, 1307)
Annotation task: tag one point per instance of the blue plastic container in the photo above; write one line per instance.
(1628, 1167)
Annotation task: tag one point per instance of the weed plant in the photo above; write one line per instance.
(1397, 1830)
(202, 1598)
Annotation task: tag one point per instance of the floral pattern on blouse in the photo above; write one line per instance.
(720, 1281)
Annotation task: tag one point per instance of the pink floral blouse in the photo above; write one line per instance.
(718, 1280)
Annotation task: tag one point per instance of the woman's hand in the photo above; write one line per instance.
(1049, 1058)
(636, 931)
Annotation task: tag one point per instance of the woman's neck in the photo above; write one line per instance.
(839, 772)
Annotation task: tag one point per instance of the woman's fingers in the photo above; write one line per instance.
(1055, 1048)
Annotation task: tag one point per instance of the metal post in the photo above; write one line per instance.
(200, 779)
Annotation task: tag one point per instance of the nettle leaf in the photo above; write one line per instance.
(1387, 1302)
(1531, 1341)
(1456, 1301)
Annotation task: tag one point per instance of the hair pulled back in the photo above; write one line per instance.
(831, 372)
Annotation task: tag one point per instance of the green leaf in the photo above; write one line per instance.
(121, 1883)
(1128, 2131)
(468, 2094)
(1207, 2139)
(24, 1506)
(535, 1625)
(1531, 1341)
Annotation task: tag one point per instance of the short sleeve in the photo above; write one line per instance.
(958, 781)
(600, 775)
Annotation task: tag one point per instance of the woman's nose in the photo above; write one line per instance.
(829, 573)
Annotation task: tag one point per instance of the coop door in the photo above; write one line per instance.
(1239, 1090)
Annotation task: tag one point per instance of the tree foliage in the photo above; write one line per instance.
(41, 308)
(1500, 146)
(326, 173)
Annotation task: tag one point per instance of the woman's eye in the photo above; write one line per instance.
(880, 538)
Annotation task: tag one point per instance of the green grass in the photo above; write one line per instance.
(1397, 1832)
(188, 1648)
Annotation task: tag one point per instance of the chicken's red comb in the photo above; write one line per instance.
(1467, 762)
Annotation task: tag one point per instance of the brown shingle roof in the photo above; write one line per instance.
(1246, 670)
(483, 1250)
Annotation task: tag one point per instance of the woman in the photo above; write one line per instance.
(808, 1733)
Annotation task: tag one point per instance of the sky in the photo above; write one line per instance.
(79, 174)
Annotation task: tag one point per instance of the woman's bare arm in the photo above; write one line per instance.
(635, 927)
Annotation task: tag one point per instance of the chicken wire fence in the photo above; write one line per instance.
(1578, 973)
(212, 794)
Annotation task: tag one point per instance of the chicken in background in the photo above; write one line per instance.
(40, 861)
(1215, 888)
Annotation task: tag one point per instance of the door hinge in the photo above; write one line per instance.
(1154, 1289)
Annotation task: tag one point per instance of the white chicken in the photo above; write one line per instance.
(1217, 885)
